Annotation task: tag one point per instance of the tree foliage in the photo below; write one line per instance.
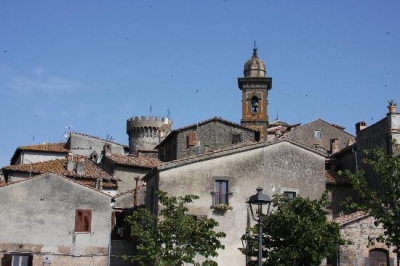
(297, 232)
(382, 201)
(173, 237)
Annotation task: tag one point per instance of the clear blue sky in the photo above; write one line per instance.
(94, 64)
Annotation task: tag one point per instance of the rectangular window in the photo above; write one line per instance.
(236, 138)
(220, 192)
(290, 194)
(318, 134)
(191, 139)
(83, 220)
(17, 260)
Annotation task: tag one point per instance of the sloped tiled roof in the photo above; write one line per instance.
(59, 167)
(345, 219)
(333, 178)
(133, 160)
(50, 147)
(60, 176)
(45, 147)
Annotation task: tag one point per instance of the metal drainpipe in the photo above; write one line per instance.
(109, 245)
(355, 157)
(135, 192)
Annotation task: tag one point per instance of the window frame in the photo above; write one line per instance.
(191, 139)
(236, 138)
(83, 221)
(8, 259)
(218, 197)
(290, 194)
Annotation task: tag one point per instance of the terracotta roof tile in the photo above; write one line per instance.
(69, 179)
(350, 217)
(50, 147)
(334, 178)
(58, 167)
(133, 160)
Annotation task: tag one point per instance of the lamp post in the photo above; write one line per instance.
(256, 203)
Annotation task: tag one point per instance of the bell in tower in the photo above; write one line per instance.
(254, 86)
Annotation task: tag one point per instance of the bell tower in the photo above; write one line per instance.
(254, 86)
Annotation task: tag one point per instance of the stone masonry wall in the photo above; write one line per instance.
(359, 232)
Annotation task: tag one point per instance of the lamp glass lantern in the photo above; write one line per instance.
(259, 207)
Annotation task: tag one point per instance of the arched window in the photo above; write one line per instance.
(254, 104)
(378, 257)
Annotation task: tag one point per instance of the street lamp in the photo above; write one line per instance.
(256, 203)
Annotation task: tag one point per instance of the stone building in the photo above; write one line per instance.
(74, 167)
(229, 176)
(221, 161)
(53, 219)
(145, 133)
(357, 228)
(39, 153)
(201, 138)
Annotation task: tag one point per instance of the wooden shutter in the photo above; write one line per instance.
(83, 220)
(192, 138)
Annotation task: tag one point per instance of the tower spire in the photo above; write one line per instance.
(255, 50)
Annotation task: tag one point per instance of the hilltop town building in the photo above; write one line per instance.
(50, 185)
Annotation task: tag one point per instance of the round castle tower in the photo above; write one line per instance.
(145, 133)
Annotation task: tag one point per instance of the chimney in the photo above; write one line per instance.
(70, 162)
(94, 157)
(80, 166)
(334, 145)
(360, 126)
(107, 149)
(99, 184)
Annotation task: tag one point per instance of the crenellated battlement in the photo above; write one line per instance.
(145, 132)
(137, 122)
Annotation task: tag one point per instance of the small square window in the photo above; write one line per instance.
(236, 138)
(290, 194)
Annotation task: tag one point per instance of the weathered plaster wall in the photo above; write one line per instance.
(38, 216)
(306, 135)
(28, 157)
(276, 168)
(86, 145)
(127, 175)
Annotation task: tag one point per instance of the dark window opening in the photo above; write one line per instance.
(220, 192)
(254, 104)
(119, 227)
(83, 220)
(290, 194)
(17, 260)
(257, 136)
(236, 138)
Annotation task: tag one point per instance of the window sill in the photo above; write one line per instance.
(221, 207)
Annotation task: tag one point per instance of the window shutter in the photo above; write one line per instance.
(78, 220)
(192, 138)
(83, 220)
